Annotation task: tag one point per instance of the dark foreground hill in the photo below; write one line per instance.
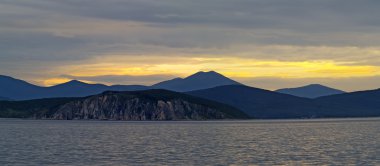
(311, 91)
(360, 104)
(138, 105)
(260, 103)
(264, 104)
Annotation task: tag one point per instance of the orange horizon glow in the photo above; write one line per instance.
(230, 67)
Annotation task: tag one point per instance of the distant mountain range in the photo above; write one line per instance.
(15, 89)
(311, 91)
(216, 95)
(137, 105)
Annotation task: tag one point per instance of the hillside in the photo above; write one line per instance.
(259, 103)
(355, 104)
(138, 105)
(263, 104)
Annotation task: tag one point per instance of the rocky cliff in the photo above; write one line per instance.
(114, 107)
(139, 105)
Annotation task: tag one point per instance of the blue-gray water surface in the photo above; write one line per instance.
(256, 142)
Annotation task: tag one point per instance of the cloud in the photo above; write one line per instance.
(326, 15)
(45, 39)
(96, 27)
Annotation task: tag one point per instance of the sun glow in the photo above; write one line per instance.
(55, 81)
(231, 67)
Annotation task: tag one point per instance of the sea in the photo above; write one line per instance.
(250, 142)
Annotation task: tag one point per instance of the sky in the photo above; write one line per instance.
(268, 44)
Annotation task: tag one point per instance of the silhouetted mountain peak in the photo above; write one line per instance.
(207, 75)
(199, 80)
(311, 91)
(315, 86)
(71, 83)
(75, 82)
(7, 81)
(319, 86)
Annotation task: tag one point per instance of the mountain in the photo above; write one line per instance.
(76, 88)
(73, 88)
(17, 89)
(355, 104)
(311, 91)
(263, 104)
(260, 103)
(197, 81)
(133, 105)
(21, 90)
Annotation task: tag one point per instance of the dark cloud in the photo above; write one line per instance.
(318, 15)
(207, 23)
(37, 35)
(38, 46)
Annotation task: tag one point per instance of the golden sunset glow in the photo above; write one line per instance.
(231, 67)
(55, 81)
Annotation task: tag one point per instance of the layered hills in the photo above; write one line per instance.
(203, 95)
(21, 90)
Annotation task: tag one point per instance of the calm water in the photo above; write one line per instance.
(291, 142)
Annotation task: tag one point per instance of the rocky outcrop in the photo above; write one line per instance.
(142, 106)
(132, 105)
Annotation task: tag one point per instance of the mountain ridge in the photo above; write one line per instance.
(259, 103)
(199, 80)
(21, 90)
(310, 91)
(264, 104)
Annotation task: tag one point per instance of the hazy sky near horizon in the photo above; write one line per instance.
(264, 43)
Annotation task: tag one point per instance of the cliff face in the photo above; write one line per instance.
(132, 106)
(136, 105)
